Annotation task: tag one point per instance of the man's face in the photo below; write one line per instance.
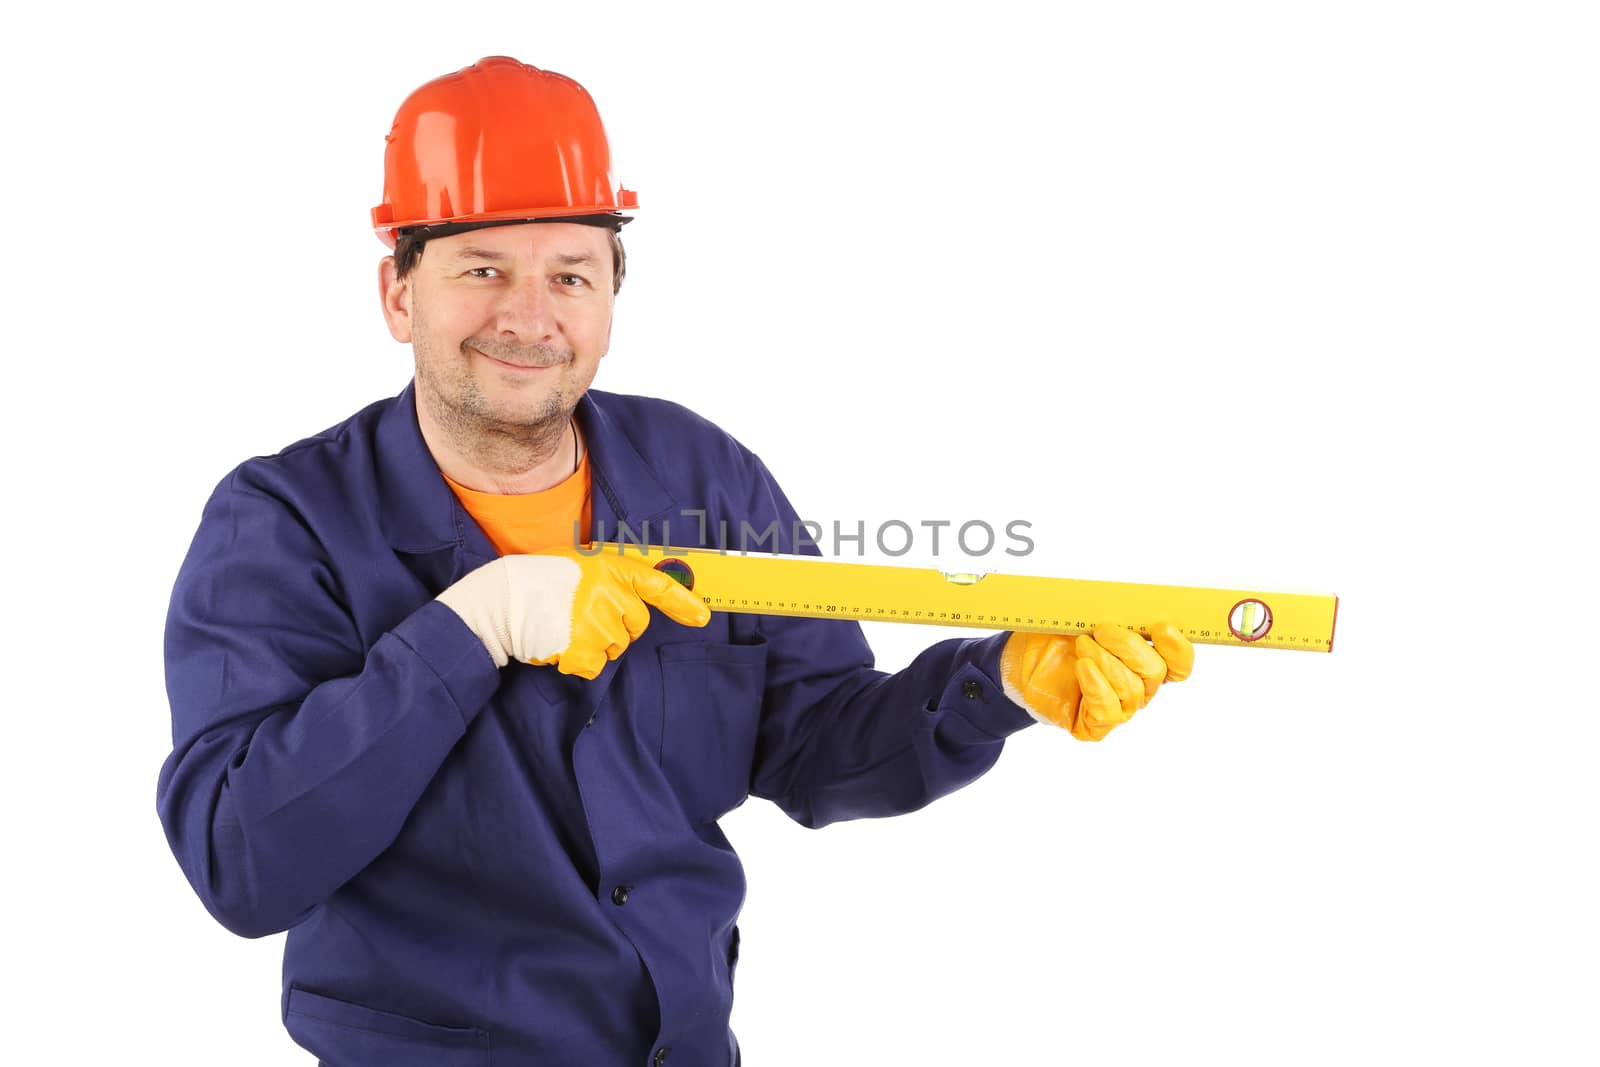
(507, 324)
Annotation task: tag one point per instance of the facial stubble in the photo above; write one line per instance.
(464, 413)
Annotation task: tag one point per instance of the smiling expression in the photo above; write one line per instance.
(507, 324)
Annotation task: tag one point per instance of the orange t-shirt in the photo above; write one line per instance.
(531, 522)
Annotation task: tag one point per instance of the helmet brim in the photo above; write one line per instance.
(445, 229)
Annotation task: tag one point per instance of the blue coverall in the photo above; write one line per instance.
(513, 866)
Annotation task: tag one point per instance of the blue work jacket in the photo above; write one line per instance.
(505, 866)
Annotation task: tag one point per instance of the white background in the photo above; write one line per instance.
(1279, 295)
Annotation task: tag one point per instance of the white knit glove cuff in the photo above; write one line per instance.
(519, 606)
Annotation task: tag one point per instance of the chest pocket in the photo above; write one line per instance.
(712, 697)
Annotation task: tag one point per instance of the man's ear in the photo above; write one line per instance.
(396, 296)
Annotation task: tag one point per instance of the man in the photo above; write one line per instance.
(475, 772)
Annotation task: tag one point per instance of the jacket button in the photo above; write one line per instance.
(661, 1056)
(971, 690)
(619, 895)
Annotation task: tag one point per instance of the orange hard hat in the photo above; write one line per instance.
(497, 142)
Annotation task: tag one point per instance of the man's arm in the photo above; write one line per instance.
(297, 754)
(839, 740)
(864, 744)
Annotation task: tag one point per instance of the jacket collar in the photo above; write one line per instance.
(419, 513)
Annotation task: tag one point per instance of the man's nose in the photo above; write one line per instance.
(526, 312)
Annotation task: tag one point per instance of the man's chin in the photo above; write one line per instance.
(531, 420)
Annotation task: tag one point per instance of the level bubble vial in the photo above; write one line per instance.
(1250, 620)
(678, 571)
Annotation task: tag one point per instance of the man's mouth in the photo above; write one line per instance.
(517, 366)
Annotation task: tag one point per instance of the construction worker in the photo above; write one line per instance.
(474, 769)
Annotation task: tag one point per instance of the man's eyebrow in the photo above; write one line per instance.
(568, 260)
(474, 252)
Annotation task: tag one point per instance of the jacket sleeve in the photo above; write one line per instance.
(840, 740)
(297, 752)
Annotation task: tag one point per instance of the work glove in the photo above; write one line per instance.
(567, 609)
(1092, 683)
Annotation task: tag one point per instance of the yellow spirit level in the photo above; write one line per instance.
(763, 584)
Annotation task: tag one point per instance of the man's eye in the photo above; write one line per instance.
(484, 272)
(570, 279)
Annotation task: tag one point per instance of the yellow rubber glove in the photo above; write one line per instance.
(567, 609)
(1092, 683)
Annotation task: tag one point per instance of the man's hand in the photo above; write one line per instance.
(567, 609)
(1092, 684)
